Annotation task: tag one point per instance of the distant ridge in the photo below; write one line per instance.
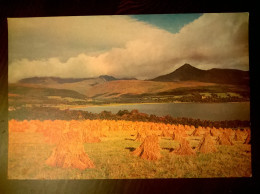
(189, 73)
(107, 78)
(42, 80)
(59, 80)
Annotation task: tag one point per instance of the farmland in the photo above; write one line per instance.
(110, 144)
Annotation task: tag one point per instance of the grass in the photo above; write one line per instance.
(69, 99)
(234, 94)
(113, 160)
(206, 94)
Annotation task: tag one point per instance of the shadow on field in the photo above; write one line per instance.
(130, 148)
(169, 149)
(129, 139)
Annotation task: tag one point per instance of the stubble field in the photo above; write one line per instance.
(103, 149)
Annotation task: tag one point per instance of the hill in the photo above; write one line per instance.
(185, 84)
(221, 76)
(40, 92)
(80, 85)
(137, 87)
(59, 80)
(45, 80)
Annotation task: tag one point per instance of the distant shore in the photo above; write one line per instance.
(73, 107)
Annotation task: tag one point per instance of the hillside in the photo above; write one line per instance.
(185, 84)
(80, 85)
(190, 73)
(136, 87)
(27, 90)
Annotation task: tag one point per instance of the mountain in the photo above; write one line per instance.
(44, 80)
(77, 84)
(137, 87)
(58, 80)
(107, 78)
(42, 92)
(187, 76)
(190, 73)
(80, 85)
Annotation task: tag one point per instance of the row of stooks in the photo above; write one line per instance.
(70, 136)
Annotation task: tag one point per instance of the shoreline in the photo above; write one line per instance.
(73, 107)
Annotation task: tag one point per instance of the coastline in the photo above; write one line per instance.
(75, 107)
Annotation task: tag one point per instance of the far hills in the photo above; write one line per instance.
(185, 81)
(185, 73)
(45, 80)
(80, 85)
(190, 73)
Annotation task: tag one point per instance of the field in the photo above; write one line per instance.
(107, 149)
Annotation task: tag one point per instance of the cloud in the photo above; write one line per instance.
(124, 47)
(219, 40)
(64, 37)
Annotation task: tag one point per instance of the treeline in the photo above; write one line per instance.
(48, 113)
(212, 98)
(194, 97)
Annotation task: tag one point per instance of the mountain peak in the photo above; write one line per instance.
(187, 66)
(186, 70)
(107, 77)
(189, 73)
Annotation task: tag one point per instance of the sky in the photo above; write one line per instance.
(170, 22)
(140, 46)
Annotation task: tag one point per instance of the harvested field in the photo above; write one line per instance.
(149, 149)
(207, 144)
(184, 148)
(103, 149)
